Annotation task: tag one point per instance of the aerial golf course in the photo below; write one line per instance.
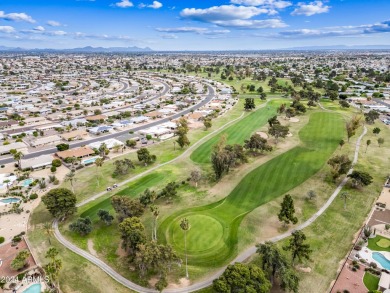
(212, 238)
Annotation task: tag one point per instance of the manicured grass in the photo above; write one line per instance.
(238, 132)
(267, 182)
(370, 281)
(379, 243)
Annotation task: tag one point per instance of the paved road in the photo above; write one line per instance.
(240, 258)
(208, 98)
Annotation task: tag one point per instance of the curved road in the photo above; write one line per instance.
(240, 258)
(209, 97)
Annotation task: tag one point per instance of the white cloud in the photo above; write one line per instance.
(169, 36)
(123, 4)
(252, 24)
(222, 13)
(39, 28)
(316, 7)
(16, 17)
(278, 4)
(155, 5)
(53, 23)
(183, 29)
(7, 29)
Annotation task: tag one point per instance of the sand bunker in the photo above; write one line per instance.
(262, 134)
(294, 120)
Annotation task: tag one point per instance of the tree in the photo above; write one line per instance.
(103, 150)
(311, 194)
(126, 207)
(157, 258)
(344, 196)
(344, 104)
(298, 248)
(169, 191)
(368, 142)
(155, 212)
(380, 141)
(273, 121)
(242, 278)
(341, 143)
(272, 260)
(60, 202)
(249, 104)
(257, 143)
(360, 178)
(278, 131)
(352, 125)
(185, 226)
(340, 164)
(105, 216)
(298, 106)
(281, 109)
(20, 261)
(123, 167)
(48, 230)
(62, 147)
(82, 226)
(71, 178)
(376, 130)
(132, 234)
(371, 116)
(98, 163)
(290, 112)
(131, 143)
(18, 156)
(53, 268)
(145, 156)
(148, 197)
(195, 176)
(207, 123)
(287, 210)
(181, 131)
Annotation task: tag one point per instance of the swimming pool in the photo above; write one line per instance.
(90, 161)
(384, 262)
(35, 288)
(10, 200)
(27, 182)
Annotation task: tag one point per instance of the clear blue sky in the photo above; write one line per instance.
(193, 25)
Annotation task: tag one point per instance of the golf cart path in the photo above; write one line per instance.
(240, 258)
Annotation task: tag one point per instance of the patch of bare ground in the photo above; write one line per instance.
(183, 282)
(90, 247)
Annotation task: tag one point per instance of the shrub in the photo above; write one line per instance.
(354, 269)
(34, 196)
(56, 163)
(358, 247)
(53, 169)
(354, 262)
(373, 265)
(2, 239)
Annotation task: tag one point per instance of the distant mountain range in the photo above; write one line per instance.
(87, 49)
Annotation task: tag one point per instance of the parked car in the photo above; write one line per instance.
(115, 185)
(108, 188)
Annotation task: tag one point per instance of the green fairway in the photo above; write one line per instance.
(238, 132)
(209, 244)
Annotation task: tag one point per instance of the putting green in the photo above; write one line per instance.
(384, 243)
(208, 247)
(200, 241)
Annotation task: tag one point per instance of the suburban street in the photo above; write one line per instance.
(209, 97)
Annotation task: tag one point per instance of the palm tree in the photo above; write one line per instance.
(155, 211)
(185, 226)
(344, 195)
(71, 178)
(48, 229)
(99, 163)
(18, 158)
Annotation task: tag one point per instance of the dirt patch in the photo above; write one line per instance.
(289, 134)
(262, 134)
(183, 282)
(294, 120)
(120, 251)
(90, 247)
(304, 270)
(153, 281)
